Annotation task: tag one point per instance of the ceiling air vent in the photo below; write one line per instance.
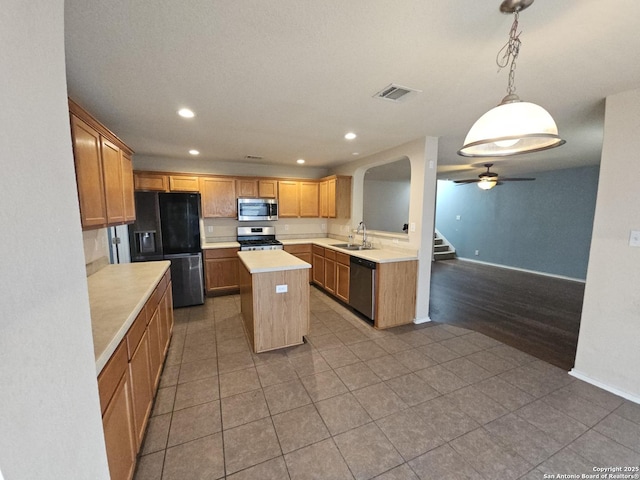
(253, 157)
(396, 93)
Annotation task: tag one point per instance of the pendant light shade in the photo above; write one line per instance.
(511, 128)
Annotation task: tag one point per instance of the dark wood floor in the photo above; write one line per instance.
(537, 314)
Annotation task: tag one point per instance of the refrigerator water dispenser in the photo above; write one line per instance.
(146, 241)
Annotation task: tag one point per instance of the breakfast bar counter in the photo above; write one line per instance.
(274, 298)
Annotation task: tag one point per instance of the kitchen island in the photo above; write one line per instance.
(274, 298)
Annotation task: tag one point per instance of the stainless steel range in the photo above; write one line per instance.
(258, 238)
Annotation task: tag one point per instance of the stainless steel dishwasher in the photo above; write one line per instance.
(362, 286)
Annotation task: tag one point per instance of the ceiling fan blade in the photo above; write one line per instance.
(516, 179)
(464, 182)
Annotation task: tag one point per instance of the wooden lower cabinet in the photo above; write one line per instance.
(343, 272)
(396, 285)
(304, 253)
(317, 264)
(155, 352)
(141, 388)
(119, 432)
(221, 271)
(128, 382)
(330, 270)
(274, 320)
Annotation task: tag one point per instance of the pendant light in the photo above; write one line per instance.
(514, 126)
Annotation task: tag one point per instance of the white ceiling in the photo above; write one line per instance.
(287, 79)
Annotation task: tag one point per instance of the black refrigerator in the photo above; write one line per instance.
(167, 227)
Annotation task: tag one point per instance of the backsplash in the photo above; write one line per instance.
(224, 229)
(96, 249)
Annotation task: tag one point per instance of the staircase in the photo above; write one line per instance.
(441, 249)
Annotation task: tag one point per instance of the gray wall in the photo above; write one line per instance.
(544, 225)
(386, 205)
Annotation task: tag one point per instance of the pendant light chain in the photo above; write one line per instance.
(509, 54)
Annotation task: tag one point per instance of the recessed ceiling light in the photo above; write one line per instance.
(186, 113)
(300, 161)
(355, 153)
(350, 136)
(194, 152)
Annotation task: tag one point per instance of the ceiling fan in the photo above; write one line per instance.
(487, 180)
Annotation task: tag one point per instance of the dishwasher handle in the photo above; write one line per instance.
(361, 261)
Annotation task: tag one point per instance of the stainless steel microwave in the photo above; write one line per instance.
(257, 209)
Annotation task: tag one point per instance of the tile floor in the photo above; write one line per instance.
(429, 401)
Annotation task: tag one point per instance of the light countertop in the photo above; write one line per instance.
(378, 255)
(117, 294)
(262, 261)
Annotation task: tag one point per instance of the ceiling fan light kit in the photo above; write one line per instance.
(487, 184)
(513, 127)
(487, 180)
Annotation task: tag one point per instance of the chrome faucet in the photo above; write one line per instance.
(364, 233)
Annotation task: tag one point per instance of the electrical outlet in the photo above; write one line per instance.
(457, 217)
(282, 288)
(477, 252)
(323, 227)
(395, 240)
(210, 229)
(634, 238)
(412, 226)
(286, 228)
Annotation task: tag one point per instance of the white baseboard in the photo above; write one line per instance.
(418, 321)
(604, 386)
(561, 277)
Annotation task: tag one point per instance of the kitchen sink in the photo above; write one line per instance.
(346, 246)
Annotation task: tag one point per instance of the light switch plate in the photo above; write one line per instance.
(281, 288)
(634, 238)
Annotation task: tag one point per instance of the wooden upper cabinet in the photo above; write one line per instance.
(218, 197)
(309, 199)
(335, 197)
(150, 182)
(267, 188)
(298, 199)
(112, 169)
(256, 188)
(184, 183)
(247, 187)
(331, 198)
(127, 188)
(288, 199)
(324, 205)
(89, 179)
(103, 172)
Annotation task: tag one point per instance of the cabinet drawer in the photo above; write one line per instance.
(136, 331)
(220, 253)
(330, 254)
(318, 250)
(293, 249)
(111, 374)
(343, 258)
